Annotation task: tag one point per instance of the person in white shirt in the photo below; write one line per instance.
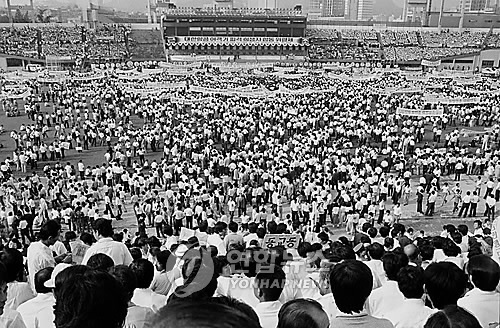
(217, 238)
(375, 252)
(43, 302)
(301, 313)
(8, 318)
(384, 299)
(412, 312)
(269, 284)
(252, 235)
(483, 301)
(137, 316)
(106, 245)
(167, 273)
(143, 295)
(39, 252)
(18, 291)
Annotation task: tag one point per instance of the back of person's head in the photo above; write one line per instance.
(13, 261)
(450, 248)
(126, 277)
(104, 228)
(351, 283)
(412, 252)
(342, 253)
(41, 277)
(261, 232)
(237, 305)
(269, 283)
(168, 230)
(101, 262)
(144, 272)
(427, 252)
(220, 227)
(166, 260)
(463, 229)
(233, 227)
(484, 272)
(272, 227)
(87, 238)
(69, 235)
(384, 231)
(393, 262)
(456, 237)
(376, 251)
(252, 227)
(301, 313)
(411, 281)
(372, 232)
(452, 316)
(92, 299)
(202, 314)
(444, 283)
(303, 249)
(49, 229)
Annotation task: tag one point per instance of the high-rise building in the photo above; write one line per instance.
(333, 8)
(351, 9)
(365, 9)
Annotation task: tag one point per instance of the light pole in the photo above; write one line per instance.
(441, 16)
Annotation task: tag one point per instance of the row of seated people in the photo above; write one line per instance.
(418, 53)
(342, 51)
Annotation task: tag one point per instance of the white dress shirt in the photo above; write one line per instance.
(11, 319)
(145, 297)
(384, 299)
(138, 316)
(378, 273)
(412, 313)
(216, 240)
(485, 306)
(31, 309)
(328, 303)
(39, 257)
(268, 313)
(17, 294)
(114, 249)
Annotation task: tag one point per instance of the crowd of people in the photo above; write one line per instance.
(204, 177)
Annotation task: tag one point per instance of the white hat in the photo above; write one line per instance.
(181, 250)
(51, 283)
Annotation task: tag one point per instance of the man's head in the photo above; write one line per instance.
(351, 282)
(393, 262)
(444, 283)
(376, 251)
(411, 282)
(49, 232)
(101, 262)
(269, 283)
(41, 277)
(126, 277)
(104, 228)
(13, 261)
(302, 313)
(144, 271)
(452, 316)
(484, 272)
(412, 252)
(88, 298)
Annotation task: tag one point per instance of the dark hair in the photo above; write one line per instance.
(202, 314)
(463, 229)
(411, 281)
(450, 248)
(372, 232)
(233, 226)
(101, 262)
(376, 251)
(300, 313)
(457, 237)
(343, 252)
(87, 238)
(3, 273)
(445, 283)
(427, 252)
(136, 253)
(14, 262)
(270, 281)
(163, 258)
(93, 299)
(351, 282)
(237, 306)
(220, 227)
(452, 316)
(252, 227)
(168, 230)
(393, 262)
(384, 231)
(144, 271)
(261, 232)
(49, 229)
(104, 227)
(126, 277)
(41, 277)
(69, 235)
(484, 271)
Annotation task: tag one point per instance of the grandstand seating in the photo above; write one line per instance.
(146, 44)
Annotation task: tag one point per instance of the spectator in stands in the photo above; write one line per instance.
(444, 284)
(452, 316)
(269, 284)
(302, 313)
(351, 283)
(143, 295)
(43, 301)
(8, 318)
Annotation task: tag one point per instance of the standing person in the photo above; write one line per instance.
(490, 207)
(178, 217)
(40, 255)
(431, 204)
(105, 244)
(474, 200)
(420, 200)
(159, 220)
(465, 204)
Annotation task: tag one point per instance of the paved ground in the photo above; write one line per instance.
(95, 156)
